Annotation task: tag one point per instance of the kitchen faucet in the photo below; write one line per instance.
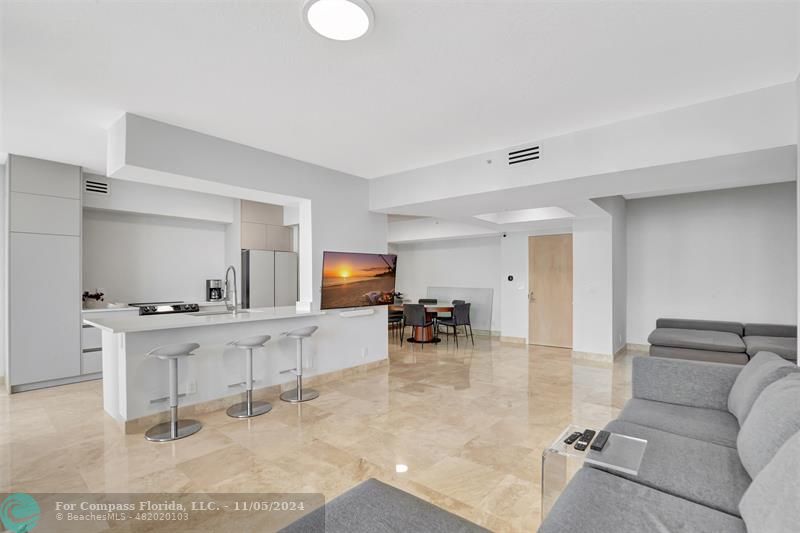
(230, 290)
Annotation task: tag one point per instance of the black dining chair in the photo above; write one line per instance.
(414, 316)
(396, 323)
(460, 318)
(434, 316)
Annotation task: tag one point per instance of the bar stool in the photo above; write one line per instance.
(174, 429)
(249, 408)
(297, 394)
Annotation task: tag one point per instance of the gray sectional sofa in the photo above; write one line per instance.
(720, 342)
(723, 453)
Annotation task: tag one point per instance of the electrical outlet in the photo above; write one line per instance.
(191, 387)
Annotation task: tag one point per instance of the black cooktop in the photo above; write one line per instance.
(164, 308)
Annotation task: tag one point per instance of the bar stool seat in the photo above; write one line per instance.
(249, 408)
(298, 394)
(174, 429)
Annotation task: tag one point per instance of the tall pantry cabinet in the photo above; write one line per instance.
(43, 284)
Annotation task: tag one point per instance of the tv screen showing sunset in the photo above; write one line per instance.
(357, 280)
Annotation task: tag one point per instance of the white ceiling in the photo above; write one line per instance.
(435, 80)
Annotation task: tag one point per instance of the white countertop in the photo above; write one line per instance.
(123, 323)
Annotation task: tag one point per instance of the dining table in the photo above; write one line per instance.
(425, 334)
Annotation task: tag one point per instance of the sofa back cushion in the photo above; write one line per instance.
(706, 325)
(769, 330)
(770, 502)
(775, 417)
(763, 370)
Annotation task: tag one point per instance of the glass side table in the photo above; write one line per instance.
(560, 461)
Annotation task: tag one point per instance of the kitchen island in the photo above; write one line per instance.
(136, 386)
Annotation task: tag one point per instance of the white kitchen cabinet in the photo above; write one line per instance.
(34, 213)
(44, 316)
(38, 176)
(92, 362)
(91, 338)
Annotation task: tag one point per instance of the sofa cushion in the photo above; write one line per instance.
(699, 471)
(769, 330)
(708, 325)
(762, 370)
(786, 347)
(710, 425)
(771, 502)
(375, 507)
(775, 417)
(706, 356)
(720, 341)
(598, 501)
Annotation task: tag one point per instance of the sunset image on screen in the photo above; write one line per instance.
(355, 280)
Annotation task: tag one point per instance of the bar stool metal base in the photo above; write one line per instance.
(291, 395)
(162, 432)
(239, 410)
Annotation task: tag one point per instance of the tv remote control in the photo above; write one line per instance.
(600, 441)
(585, 439)
(572, 438)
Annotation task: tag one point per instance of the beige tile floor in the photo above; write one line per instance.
(469, 424)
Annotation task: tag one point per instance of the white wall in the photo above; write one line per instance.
(616, 207)
(472, 263)
(150, 258)
(592, 286)
(514, 294)
(333, 212)
(3, 307)
(134, 197)
(725, 255)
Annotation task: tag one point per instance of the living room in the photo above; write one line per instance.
(399, 266)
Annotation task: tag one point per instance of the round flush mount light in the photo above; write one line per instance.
(340, 20)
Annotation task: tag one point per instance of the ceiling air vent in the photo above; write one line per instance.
(96, 186)
(523, 154)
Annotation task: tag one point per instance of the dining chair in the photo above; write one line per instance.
(460, 318)
(434, 316)
(396, 323)
(414, 316)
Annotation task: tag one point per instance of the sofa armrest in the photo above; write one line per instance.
(683, 382)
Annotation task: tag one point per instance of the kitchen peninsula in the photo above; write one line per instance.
(136, 386)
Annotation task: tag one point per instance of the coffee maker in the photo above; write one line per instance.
(214, 292)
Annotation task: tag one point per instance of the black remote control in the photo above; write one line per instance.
(600, 441)
(585, 439)
(572, 438)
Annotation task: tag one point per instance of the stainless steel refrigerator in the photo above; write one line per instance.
(269, 279)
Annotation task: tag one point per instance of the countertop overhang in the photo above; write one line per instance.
(132, 324)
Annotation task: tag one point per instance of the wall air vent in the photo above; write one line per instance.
(96, 186)
(523, 154)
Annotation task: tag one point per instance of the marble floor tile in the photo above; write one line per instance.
(461, 428)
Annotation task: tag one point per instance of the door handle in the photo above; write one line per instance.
(530, 296)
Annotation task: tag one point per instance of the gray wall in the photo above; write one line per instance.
(727, 255)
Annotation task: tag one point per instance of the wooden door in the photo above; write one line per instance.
(550, 290)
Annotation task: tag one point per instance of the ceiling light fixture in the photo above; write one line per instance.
(340, 20)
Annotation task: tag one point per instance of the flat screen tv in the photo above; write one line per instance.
(357, 280)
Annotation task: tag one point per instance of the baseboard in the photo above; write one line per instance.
(631, 347)
(54, 383)
(514, 340)
(141, 424)
(594, 357)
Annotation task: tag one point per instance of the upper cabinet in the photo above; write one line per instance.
(38, 176)
(263, 229)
